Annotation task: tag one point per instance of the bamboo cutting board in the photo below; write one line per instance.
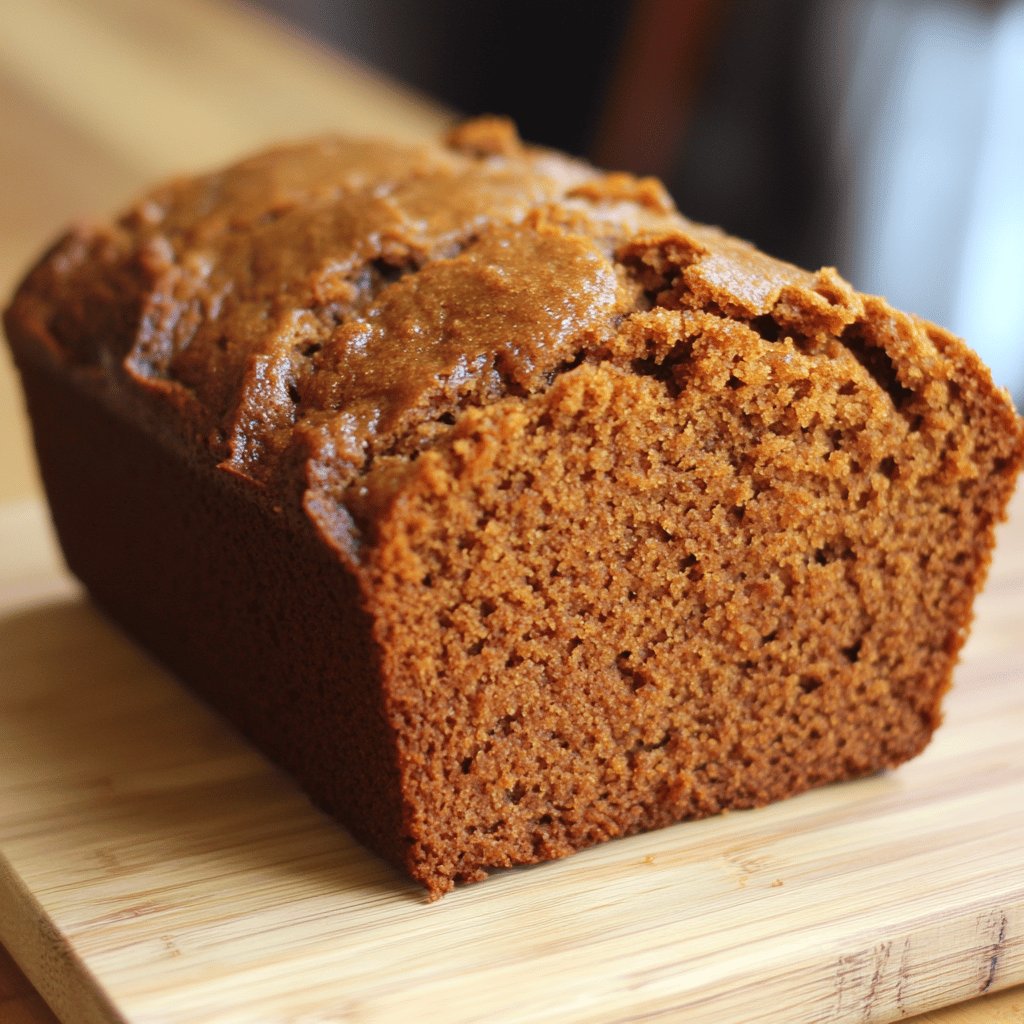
(156, 869)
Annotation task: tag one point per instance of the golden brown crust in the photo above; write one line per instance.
(638, 523)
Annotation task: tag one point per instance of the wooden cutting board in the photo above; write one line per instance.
(155, 868)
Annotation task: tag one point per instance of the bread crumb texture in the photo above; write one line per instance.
(644, 523)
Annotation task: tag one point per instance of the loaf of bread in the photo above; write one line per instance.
(506, 508)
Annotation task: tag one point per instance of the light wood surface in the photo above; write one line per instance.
(148, 852)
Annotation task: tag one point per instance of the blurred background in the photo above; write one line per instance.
(885, 137)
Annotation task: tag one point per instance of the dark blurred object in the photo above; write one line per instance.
(718, 85)
(659, 73)
(545, 64)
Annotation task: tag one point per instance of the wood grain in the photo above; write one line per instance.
(157, 869)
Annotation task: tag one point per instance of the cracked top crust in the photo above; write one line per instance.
(329, 305)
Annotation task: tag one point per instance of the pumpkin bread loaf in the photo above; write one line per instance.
(506, 508)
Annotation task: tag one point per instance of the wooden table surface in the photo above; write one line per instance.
(99, 98)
